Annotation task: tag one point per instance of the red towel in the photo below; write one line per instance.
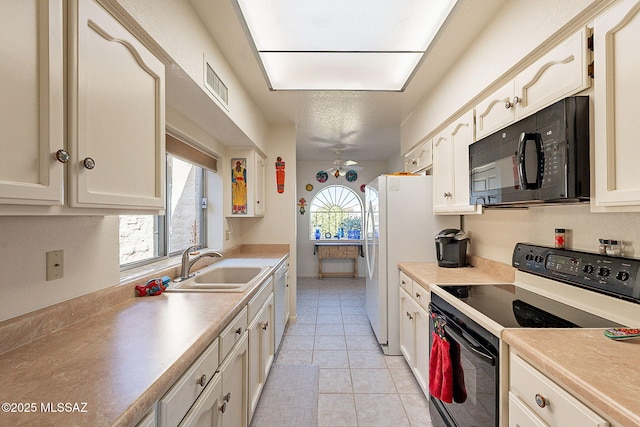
(459, 389)
(440, 369)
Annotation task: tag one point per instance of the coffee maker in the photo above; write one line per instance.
(451, 248)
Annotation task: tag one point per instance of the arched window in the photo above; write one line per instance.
(335, 213)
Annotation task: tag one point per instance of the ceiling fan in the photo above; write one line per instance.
(341, 167)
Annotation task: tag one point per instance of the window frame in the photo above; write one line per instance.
(355, 197)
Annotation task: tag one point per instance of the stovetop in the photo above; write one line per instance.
(514, 307)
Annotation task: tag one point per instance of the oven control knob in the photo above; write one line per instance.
(603, 271)
(622, 275)
(528, 257)
(539, 258)
(588, 268)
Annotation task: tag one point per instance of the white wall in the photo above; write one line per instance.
(90, 246)
(307, 261)
(517, 29)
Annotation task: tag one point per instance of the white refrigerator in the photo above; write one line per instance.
(399, 227)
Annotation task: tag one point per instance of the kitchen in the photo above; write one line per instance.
(91, 243)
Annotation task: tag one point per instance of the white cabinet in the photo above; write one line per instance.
(234, 371)
(281, 300)
(149, 420)
(451, 168)
(261, 342)
(32, 102)
(616, 62)
(414, 329)
(246, 171)
(208, 409)
(536, 401)
(114, 110)
(420, 158)
(561, 72)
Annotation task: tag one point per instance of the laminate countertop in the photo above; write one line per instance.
(111, 367)
(600, 372)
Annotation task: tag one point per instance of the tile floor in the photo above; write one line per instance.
(359, 385)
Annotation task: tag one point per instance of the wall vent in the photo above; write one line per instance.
(215, 85)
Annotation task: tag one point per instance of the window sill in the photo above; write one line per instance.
(163, 267)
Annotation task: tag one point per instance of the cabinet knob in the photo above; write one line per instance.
(540, 400)
(223, 407)
(516, 100)
(202, 380)
(418, 295)
(409, 316)
(63, 156)
(507, 105)
(239, 331)
(447, 194)
(89, 163)
(227, 397)
(265, 325)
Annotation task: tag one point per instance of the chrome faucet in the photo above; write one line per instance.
(188, 261)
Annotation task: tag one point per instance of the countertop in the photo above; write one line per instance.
(602, 373)
(480, 271)
(117, 363)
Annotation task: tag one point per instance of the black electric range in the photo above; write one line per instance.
(523, 305)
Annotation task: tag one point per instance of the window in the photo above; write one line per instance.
(144, 238)
(335, 213)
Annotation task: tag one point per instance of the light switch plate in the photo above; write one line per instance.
(55, 265)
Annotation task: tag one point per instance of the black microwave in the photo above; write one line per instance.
(541, 158)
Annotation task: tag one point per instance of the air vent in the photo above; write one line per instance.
(215, 85)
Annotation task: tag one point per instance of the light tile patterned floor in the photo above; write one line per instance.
(359, 385)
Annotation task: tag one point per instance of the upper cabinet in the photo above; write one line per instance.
(113, 151)
(246, 183)
(451, 168)
(420, 158)
(561, 72)
(616, 63)
(32, 102)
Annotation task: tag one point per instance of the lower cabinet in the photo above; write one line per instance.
(414, 329)
(537, 401)
(261, 351)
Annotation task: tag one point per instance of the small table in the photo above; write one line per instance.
(338, 250)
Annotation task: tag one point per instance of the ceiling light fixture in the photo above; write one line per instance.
(342, 45)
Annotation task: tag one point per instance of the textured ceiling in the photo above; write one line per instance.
(365, 124)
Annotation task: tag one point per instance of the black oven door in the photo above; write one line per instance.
(479, 363)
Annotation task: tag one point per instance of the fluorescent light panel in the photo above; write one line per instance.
(342, 44)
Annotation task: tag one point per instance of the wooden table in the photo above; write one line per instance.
(338, 250)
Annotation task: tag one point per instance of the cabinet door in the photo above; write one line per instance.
(521, 416)
(31, 102)
(421, 337)
(407, 332)
(267, 339)
(442, 172)
(495, 112)
(261, 352)
(207, 411)
(235, 394)
(616, 62)
(559, 73)
(116, 114)
(461, 136)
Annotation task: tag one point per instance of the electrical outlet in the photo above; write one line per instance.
(227, 234)
(55, 265)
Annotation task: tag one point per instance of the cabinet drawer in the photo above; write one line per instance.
(421, 296)
(175, 404)
(232, 333)
(406, 282)
(521, 416)
(255, 304)
(555, 405)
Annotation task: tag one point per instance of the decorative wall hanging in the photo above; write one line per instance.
(322, 176)
(302, 203)
(238, 186)
(280, 175)
(362, 187)
(309, 187)
(351, 175)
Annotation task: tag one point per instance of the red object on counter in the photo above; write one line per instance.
(152, 288)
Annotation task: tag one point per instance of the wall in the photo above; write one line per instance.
(517, 29)
(90, 246)
(307, 261)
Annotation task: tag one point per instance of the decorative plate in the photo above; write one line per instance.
(362, 187)
(322, 176)
(351, 175)
(309, 187)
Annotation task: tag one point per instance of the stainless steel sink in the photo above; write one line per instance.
(222, 278)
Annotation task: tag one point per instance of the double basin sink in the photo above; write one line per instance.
(227, 275)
